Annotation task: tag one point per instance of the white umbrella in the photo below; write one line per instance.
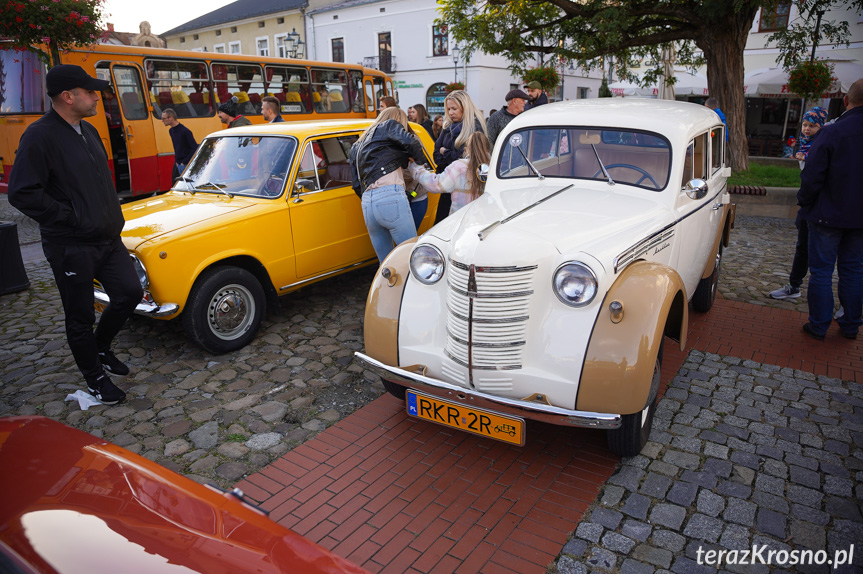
(666, 87)
(773, 82)
(687, 84)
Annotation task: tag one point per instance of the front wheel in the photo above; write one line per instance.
(630, 438)
(225, 309)
(705, 293)
(394, 389)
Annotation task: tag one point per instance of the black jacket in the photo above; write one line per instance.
(385, 149)
(184, 143)
(446, 139)
(64, 183)
(831, 184)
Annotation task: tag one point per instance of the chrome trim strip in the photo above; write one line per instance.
(481, 367)
(622, 260)
(511, 269)
(469, 397)
(490, 295)
(518, 319)
(143, 308)
(486, 345)
(328, 273)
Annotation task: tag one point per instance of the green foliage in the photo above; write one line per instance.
(795, 41)
(767, 176)
(236, 437)
(547, 76)
(810, 80)
(56, 24)
(604, 90)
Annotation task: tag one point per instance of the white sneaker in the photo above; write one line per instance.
(786, 292)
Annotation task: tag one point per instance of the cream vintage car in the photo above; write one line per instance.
(548, 298)
(260, 211)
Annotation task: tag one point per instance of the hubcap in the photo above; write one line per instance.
(231, 311)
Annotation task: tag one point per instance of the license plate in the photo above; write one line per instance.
(477, 421)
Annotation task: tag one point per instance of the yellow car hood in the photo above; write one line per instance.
(150, 218)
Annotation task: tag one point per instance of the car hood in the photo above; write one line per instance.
(150, 218)
(578, 218)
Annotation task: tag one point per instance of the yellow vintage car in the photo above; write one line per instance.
(259, 212)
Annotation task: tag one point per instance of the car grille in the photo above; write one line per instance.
(491, 335)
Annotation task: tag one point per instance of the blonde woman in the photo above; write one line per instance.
(462, 120)
(377, 160)
(459, 179)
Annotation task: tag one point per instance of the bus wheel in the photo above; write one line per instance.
(225, 309)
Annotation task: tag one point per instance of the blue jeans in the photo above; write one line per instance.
(844, 248)
(418, 210)
(388, 218)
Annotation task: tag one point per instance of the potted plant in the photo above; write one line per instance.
(453, 86)
(810, 80)
(547, 76)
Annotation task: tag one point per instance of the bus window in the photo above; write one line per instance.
(24, 92)
(370, 98)
(355, 88)
(379, 88)
(246, 81)
(130, 93)
(330, 91)
(290, 86)
(181, 86)
(391, 92)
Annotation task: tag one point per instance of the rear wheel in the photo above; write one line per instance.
(225, 309)
(705, 293)
(630, 438)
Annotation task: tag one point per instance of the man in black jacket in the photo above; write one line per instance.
(61, 179)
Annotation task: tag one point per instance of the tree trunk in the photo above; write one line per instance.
(55, 55)
(723, 42)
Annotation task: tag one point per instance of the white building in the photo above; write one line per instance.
(401, 38)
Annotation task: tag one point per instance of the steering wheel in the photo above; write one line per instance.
(634, 167)
(273, 186)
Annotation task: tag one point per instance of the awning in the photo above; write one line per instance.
(773, 82)
(687, 84)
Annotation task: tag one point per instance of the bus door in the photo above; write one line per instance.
(136, 166)
(371, 102)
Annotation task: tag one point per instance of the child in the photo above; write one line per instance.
(813, 121)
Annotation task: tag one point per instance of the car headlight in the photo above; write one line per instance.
(574, 284)
(427, 264)
(141, 271)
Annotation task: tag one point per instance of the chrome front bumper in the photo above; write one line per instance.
(148, 308)
(469, 397)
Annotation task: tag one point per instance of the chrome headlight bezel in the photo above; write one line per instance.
(580, 272)
(421, 257)
(141, 271)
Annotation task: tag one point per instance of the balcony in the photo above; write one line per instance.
(386, 64)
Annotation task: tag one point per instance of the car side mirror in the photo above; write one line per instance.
(300, 186)
(695, 188)
(482, 172)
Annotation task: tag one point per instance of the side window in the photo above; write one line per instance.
(717, 140)
(183, 86)
(324, 164)
(356, 90)
(688, 161)
(130, 93)
(245, 81)
(701, 158)
(370, 98)
(330, 91)
(290, 85)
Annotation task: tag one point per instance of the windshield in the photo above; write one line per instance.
(240, 165)
(629, 157)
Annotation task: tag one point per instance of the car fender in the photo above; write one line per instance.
(620, 357)
(723, 232)
(383, 305)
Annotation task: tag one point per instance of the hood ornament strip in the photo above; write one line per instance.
(485, 232)
(471, 294)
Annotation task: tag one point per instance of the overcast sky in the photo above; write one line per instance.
(163, 15)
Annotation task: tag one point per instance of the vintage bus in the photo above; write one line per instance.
(145, 81)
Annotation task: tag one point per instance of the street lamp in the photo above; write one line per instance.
(455, 52)
(294, 46)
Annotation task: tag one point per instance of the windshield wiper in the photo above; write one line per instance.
(515, 141)
(601, 165)
(217, 186)
(191, 187)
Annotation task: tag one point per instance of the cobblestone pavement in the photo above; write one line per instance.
(219, 418)
(742, 455)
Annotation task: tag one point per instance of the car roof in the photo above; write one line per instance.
(301, 129)
(670, 118)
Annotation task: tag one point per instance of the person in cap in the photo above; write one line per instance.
(515, 102)
(229, 116)
(536, 97)
(61, 179)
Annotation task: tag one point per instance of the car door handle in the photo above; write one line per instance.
(717, 206)
(129, 134)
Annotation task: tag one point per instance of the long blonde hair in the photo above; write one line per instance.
(477, 151)
(470, 116)
(396, 114)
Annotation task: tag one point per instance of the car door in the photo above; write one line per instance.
(698, 215)
(326, 216)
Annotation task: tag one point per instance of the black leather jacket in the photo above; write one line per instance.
(385, 149)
